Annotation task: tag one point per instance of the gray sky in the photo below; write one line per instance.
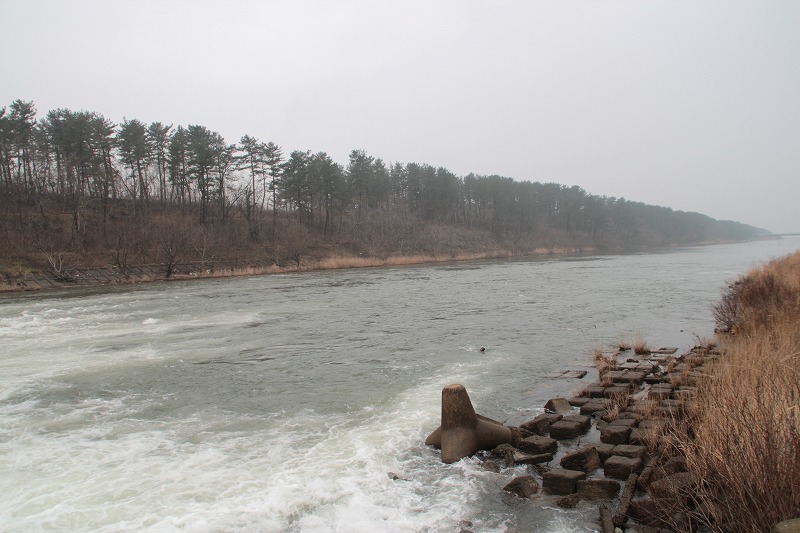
(690, 104)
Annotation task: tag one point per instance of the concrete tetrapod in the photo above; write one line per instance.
(462, 432)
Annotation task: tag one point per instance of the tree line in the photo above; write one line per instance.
(85, 160)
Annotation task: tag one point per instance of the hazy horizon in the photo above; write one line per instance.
(689, 105)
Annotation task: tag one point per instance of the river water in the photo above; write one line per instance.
(283, 402)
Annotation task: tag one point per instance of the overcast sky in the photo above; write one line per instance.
(693, 104)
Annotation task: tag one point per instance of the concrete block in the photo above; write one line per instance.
(618, 467)
(615, 434)
(578, 401)
(598, 489)
(616, 391)
(566, 430)
(594, 406)
(523, 458)
(537, 445)
(594, 391)
(562, 481)
(584, 421)
(627, 450)
(585, 460)
(604, 450)
(559, 406)
(541, 423)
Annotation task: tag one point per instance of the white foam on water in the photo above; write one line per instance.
(98, 465)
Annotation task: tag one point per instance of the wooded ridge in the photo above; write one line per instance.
(78, 190)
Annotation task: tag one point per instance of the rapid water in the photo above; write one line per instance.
(282, 403)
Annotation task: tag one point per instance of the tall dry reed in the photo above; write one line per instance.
(745, 448)
(604, 362)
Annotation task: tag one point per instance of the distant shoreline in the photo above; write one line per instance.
(100, 276)
(79, 276)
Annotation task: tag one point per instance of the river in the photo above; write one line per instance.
(283, 402)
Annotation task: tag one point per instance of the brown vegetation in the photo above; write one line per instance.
(640, 346)
(38, 236)
(744, 446)
(604, 363)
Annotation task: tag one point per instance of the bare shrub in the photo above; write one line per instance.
(171, 244)
(60, 267)
(764, 297)
(205, 246)
(725, 311)
(297, 245)
(755, 300)
(127, 250)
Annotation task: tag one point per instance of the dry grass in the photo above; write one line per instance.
(603, 361)
(746, 444)
(679, 379)
(612, 413)
(653, 436)
(647, 408)
(619, 402)
(640, 346)
(347, 261)
(755, 300)
(338, 261)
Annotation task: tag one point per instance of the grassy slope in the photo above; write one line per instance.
(746, 443)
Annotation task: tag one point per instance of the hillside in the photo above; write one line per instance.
(78, 191)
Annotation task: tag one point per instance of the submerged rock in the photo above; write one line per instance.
(523, 486)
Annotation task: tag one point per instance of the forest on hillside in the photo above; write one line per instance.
(76, 188)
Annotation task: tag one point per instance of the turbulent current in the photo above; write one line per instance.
(284, 402)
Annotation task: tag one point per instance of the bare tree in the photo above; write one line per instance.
(171, 246)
